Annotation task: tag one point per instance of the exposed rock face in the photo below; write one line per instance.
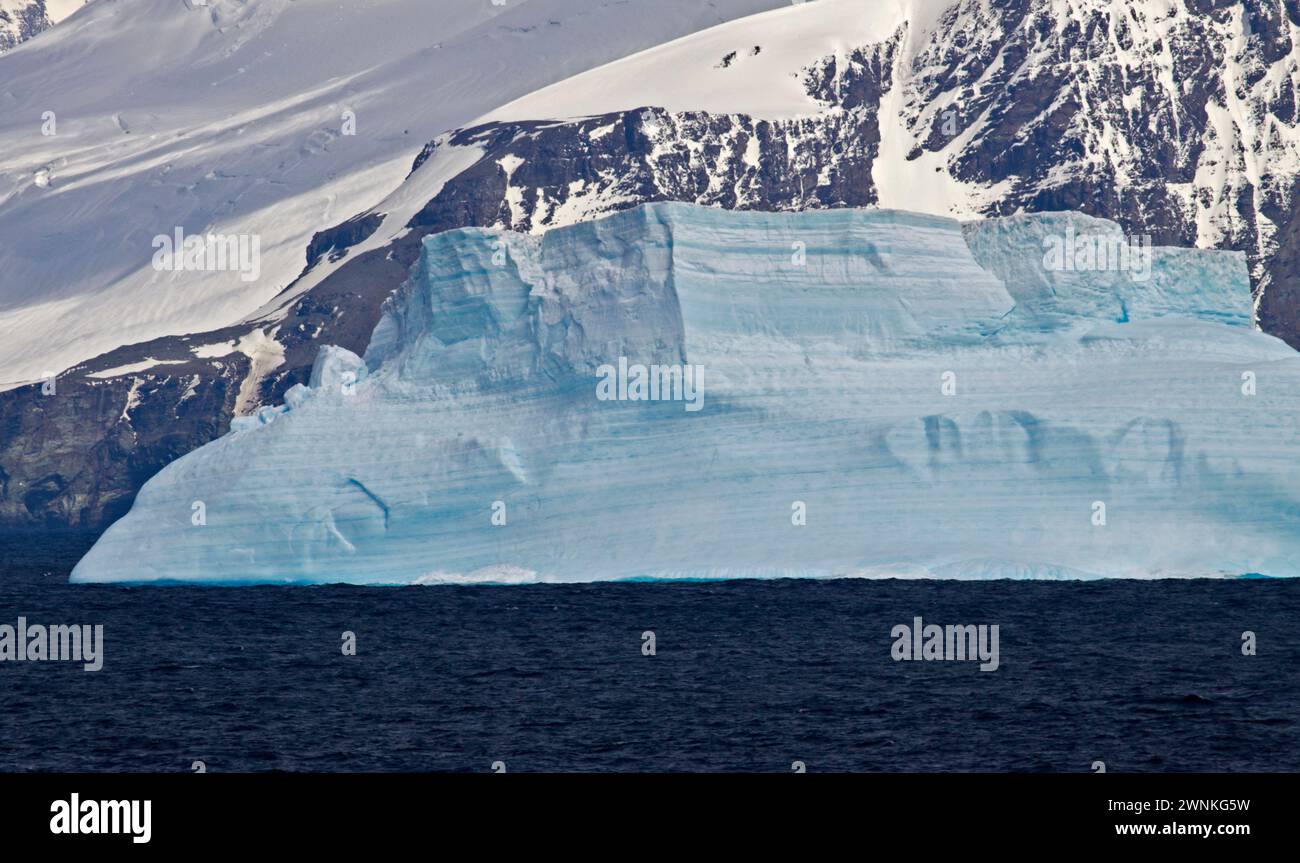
(1175, 120)
(20, 20)
(73, 452)
(1179, 121)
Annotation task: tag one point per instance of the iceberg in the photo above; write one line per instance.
(678, 391)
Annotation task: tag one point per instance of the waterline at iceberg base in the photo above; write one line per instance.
(879, 394)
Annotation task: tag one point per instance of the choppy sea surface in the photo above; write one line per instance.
(746, 676)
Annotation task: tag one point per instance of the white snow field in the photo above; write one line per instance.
(874, 393)
(755, 66)
(719, 71)
(135, 117)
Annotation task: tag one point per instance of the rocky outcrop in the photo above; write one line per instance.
(74, 449)
(20, 20)
(1175, 121)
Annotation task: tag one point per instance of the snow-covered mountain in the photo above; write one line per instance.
(964, 108)
(272, 118)
(683, 391)
(1179, 119)
(20, 20)
(1175, 118)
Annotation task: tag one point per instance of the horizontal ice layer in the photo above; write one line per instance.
(881, 393)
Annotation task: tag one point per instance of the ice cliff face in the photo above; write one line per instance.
(1173, 118)
(839, 392)
(227, 116)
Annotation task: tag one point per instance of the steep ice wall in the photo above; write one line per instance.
(861, 393)
(268, 118)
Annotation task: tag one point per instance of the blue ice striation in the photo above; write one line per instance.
(685, 392)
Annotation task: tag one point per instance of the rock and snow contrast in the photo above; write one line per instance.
(225, 117)
(228, 116)
(20, 20)
(1173, 118)
(682, 391)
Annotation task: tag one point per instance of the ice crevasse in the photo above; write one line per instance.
(838, 393)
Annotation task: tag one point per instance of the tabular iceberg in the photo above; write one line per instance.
(679, 391)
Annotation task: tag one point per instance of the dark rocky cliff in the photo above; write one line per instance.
(1045, 114)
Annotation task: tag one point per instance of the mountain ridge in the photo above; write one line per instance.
(20, 20)
(969, 107)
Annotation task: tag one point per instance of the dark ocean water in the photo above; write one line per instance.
(748, 676)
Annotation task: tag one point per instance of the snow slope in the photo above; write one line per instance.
(473, 443)
(228, 117)
(752, 71)
(750, 66)
(1177, 119)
